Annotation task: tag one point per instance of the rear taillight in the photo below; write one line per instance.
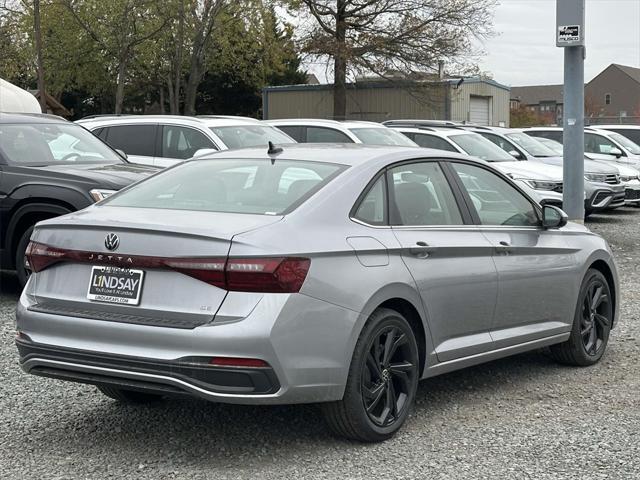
(41, 256)
(266, 275)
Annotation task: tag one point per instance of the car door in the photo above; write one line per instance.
(599, 147)
(138, 141)
(179, 143)
(536, 267)
(449, 259)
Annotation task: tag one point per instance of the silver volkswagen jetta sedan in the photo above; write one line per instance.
(337, 274)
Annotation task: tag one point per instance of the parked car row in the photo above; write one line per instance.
(338, 272)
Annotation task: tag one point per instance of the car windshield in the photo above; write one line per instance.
(626, 143)
(253, 186)
(241, 136)
(52, 144)
(478, 146)
(556, 147)
(531, 145)
(381, 136)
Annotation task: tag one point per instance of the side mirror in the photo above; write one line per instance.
(121, 153)
(204, 151)
(553, 217)
(615, 152)
(515, 154)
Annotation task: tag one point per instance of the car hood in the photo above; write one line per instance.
(107, 175)
(530, 170)
(590, 166)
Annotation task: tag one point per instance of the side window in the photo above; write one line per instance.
(133, 139)
(631, 134)
(552, 134)
(182, 142)
(372, 207)
(297, 133)
(101, 133)
(421, 195)
(597, 144)
(326, 135)
(431, 141)
(496, 201)
(499, 141)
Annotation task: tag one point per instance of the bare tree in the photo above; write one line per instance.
(203, 15)
(379, 36)
(40, 69)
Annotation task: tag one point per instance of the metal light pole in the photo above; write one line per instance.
(570, 36)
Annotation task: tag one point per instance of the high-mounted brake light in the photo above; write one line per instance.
(266, 275)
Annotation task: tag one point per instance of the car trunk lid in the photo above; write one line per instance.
(152, 249)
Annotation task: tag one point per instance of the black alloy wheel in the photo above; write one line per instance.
(381, 383)
(592, 323)
(388, 376)
(596, 317)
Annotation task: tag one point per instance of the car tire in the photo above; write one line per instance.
(128, 396)
(591, 323)
(21, 270)
(382, 381)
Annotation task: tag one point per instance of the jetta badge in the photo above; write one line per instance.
(111, 241)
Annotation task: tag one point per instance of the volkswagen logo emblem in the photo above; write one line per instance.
(111, 241)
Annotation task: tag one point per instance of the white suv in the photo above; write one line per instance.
(599, 144)
(543, 182)
(305, 130)
(164, 140)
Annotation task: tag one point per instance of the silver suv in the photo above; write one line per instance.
(165, 140)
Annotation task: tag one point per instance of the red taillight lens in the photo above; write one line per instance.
(238, 362)
(41, 256)
(265, 275)
(208, 270)
(268, 275)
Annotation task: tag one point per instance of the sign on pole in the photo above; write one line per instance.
(570, 35)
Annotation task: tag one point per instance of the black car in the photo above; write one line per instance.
(49, 167)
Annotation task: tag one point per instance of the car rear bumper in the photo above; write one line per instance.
(307, 344)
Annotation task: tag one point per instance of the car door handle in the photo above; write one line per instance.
(504, 247)
(421, 250)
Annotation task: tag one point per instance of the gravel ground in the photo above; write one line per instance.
(518, 418)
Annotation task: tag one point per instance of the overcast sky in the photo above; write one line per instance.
(524, 51)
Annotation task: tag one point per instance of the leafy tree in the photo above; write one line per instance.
(119, 27)
(379, 36)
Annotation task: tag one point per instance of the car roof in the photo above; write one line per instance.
(339, 153)
(26, 118)
(437, 131)
(616, 127)
(345, 124)
(204, 120)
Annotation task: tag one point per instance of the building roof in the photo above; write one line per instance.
(397, 83)
(633, 72)
(535, 94)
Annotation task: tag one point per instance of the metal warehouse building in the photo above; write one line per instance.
(475, 100)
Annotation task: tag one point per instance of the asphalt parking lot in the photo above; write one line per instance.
(520, 418)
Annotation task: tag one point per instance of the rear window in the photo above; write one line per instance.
(230, 185)
(242, 136)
